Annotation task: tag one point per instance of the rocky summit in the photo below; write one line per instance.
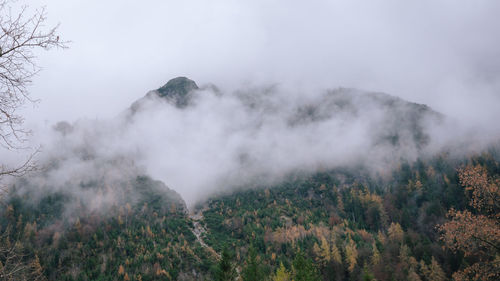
(178, 90)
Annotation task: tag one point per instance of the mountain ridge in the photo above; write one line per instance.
(95, 213)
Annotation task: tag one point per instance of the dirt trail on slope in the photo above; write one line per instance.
(198, 231)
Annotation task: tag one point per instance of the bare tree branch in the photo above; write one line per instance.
(20, 35)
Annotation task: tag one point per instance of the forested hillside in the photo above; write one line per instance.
(351, 185)
(249, 140)
(335, 225)
(351, 226)
(147, 237)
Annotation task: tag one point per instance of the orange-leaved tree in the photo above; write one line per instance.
(476, 232)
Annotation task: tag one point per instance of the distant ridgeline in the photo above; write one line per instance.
(401, 122)
(108, 220)
(392, 120)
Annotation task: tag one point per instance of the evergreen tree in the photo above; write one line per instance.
(225, 269)
(367, 275)
(253, 270)
(303, 269)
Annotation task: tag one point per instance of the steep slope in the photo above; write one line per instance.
(146, 237)
(93, 213)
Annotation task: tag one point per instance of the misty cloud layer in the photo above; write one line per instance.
(256, 135)
(440, 53)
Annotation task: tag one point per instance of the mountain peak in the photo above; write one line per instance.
(178, 89)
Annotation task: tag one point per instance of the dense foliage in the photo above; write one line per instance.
(335, 225)
(146, 238)
(354, 226)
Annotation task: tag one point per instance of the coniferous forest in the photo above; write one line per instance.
(322, 140)
(429, 220)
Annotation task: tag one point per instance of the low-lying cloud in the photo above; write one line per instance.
(255, 135)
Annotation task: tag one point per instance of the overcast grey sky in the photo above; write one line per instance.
(443, 53)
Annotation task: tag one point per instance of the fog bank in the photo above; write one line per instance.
(203, 140)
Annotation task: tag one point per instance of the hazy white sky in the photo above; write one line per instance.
(443, 53)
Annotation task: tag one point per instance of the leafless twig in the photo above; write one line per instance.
(20, 36)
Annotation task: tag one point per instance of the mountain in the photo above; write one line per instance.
(94, 213)
(177, 91)
(384, 120)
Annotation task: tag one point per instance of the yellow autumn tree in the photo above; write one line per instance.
(282, 274)
(413, 276)
(375, 255)
(432, 272)
(351, 255)
(395, 232)
(317, 252)
(322, 251)
(37, 270)
(335, 253)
